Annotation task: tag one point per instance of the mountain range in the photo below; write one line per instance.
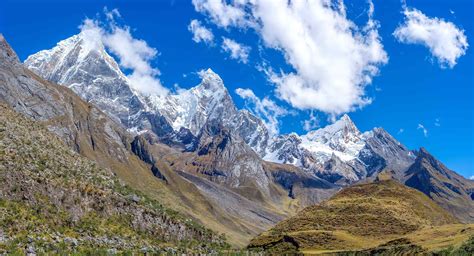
(197, 153)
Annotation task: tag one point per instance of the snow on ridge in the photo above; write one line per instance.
(193, 107)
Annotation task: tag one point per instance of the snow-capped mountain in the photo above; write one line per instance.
(211, 102)
(341, 138)
(192, 108)
(93, 74)
(85, 67)
(338, 152)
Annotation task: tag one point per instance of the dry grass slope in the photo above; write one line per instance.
(53, 200)
(365, 216)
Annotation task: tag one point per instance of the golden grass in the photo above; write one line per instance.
(366, 216)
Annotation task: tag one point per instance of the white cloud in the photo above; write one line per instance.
(401, 131)
(472, 177)
(445, 41)
(333, 59)
(423, 129)
(437, 123)
(264, 108)
(311, 123)
(200, 33)
(221, 13)
(237, 51)
(133, 54)
(110, 15)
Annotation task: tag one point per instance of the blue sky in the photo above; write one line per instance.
(411, 88)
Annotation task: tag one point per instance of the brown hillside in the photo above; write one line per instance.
(358, 217)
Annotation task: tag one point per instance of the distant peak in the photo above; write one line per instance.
(423, 156)
(210, 72)
(211, 80)
(345, 119)
(344, 123)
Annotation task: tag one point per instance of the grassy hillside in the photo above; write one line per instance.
(366, 216)
(54, 200)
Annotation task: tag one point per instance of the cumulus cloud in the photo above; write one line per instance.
(311, 123)
(237, 51)
(200, 33)
(445, 41)
(423, 129)
(472, 177)
(264, 108)
(132, 53)
(333, 59)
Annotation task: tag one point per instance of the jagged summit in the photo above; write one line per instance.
(82, 53)
(341, 138)
(423, 153)
(192, 108)
(211, 86)
(211, 80)
(344, 126)
(81, 63)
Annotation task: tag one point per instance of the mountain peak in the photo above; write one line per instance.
(344, 125)
(346, 121)
(211, 80)
(345, 118)
(423, 153)
(84, 51)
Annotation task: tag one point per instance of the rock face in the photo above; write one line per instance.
(85, 67)
(82, 126)
(231, 159)
(450, 190)
(382, 150)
